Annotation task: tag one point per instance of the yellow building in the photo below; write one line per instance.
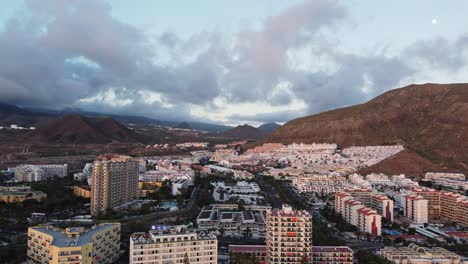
(49, 244)
(82, 191)
(145, 188)
(114, 182)
(18, 194)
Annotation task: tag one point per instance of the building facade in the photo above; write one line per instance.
(18, 194)
(289, 236)
(332, 255)
(416, 209)
(114, 182)
(34, 173)
(49, 244)
(173, 245)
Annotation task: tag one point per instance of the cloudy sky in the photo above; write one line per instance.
(227, 62)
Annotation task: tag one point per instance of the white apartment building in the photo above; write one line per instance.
(416, 209)
(175, 244)
(436, 175)
(289, 236)
(179, 185)
(34, 173)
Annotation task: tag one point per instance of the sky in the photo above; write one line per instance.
(226, 62)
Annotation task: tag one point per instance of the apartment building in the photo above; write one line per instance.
(175, 244)
(414, 254)
(114, 182)
(34, 173)
(49, 244)
(433, 197)
(383, 205)
(369, 221)
(289, 236)
(416, 209)
(18, 194)
(332, 255)
(449, 206)
(437, 175)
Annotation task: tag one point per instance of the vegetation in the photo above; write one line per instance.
(331, 215)
(322, 236)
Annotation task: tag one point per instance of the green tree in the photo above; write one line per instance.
(186, 259)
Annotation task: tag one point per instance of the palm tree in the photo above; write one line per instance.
(186, 259)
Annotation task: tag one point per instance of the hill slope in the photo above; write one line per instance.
(431, 120)
(241, 132)
(268, 128)
(75, 129)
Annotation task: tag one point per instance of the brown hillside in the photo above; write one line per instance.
(75, 129)
(430, 120)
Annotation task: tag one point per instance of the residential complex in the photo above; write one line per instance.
(414, 254)
(176, 244)
(236, 252)
(289, 236)
(34, 173)
(49, 244)
(229, 221)
(322, 184)
(114, 182)
(17, 194)
(364, 209)
(82, 191)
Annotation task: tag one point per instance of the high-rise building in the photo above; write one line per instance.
(416, 209)
(289, 236)
(114, 182)
(433, 198)
(175, 244)
(332, 255)
(49, 244)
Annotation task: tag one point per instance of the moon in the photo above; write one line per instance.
(434, 21)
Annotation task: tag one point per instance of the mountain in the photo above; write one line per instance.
(183, 125)
(11, 114)
(431, 120)
(241, 132)
(268, 128)
(27, 117)
(76, 129)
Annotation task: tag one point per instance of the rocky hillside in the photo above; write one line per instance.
(76, 129)
(431, 120)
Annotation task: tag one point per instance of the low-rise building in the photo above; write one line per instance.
(34, 173)
(414, 254)
(82, 191)
(332, 255)
(176, 244)
(179, 185)
(238, 252)
(18, 194)
(49, 244)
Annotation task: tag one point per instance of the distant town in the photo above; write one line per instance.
(223, 203)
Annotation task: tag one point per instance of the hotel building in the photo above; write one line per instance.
(114, 182)
(49, 244)
(173, 245)
(289, 236)
(34, 173)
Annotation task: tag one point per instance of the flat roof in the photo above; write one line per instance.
(62, 240)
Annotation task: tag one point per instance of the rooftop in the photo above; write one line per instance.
(63, 238)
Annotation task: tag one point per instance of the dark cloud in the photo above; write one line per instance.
(57, 53)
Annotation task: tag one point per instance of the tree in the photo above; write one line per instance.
(186, 259)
